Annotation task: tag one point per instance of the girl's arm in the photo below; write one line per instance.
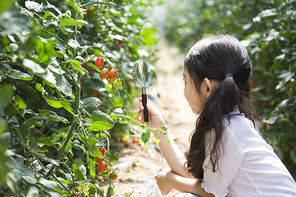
(168, 180)
(173, 155)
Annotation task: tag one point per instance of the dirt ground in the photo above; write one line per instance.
(136, 165)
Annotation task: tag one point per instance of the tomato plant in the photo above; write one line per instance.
(99, 62)
(57, 110)
(112, 73)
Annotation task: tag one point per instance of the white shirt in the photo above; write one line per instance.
(249, 167)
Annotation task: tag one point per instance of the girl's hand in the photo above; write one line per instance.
(163, 180)
(155, 117)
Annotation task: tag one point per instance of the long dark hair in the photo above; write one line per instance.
(225, 59)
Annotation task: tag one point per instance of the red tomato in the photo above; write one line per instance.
(99, 62)
(102, 167)
(104, 73)
(102, 150)
(98, 160)
(94, 92)
(112, 73)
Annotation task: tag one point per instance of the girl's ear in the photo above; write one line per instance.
(208, 86)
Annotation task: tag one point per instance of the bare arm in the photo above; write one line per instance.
(168, 180)
(173, 155)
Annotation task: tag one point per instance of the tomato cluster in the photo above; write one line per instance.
(110, 74)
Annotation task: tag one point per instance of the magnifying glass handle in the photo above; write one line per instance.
(144, 101)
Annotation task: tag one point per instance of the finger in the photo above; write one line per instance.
(139, 119)
(140, 112)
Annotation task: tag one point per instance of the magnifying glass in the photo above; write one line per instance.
(142, 77)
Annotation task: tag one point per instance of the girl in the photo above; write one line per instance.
(227, 156)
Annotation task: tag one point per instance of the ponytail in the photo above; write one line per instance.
(232, 68)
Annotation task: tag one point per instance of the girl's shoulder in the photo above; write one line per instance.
(241, 131)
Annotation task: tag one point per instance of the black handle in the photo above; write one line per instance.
(144, 101)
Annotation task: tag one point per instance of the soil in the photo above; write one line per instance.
(137, 166)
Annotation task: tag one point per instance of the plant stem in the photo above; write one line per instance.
(63, 148)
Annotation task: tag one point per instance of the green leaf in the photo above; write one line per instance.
(163, 128)
(54, 103)
(267, 13)
(5, 138)
(55, 117)
(19, 102)
(31, 191)
(47, 183)
(31, 5)
(100, 126)
(98, 115)
(73, 43)
(6, 92)
(13, 21)
(72, 22)
(293, 154)
(78, 173)
(91, 103)
(67, 106)
(34, 67)
(39, 87)
(45, 49)
(63, 85)
(287, 76)
(115, 12)
(2, 126)
(75, 6)
(29, 180)
(92, 167)
(131, 131)
(273, 119)
(145, 137)
(115, 116)
(55, 67)
(5, 5)
(45, 158)
(16, 74)
(11, 182)
(76, 66)
(43, 112)
(54, 194)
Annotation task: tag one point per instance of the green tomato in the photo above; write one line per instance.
(116, 96)
(80, 16)
(117, 84)
(68, 12)
(111, 190)
(66, 2)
